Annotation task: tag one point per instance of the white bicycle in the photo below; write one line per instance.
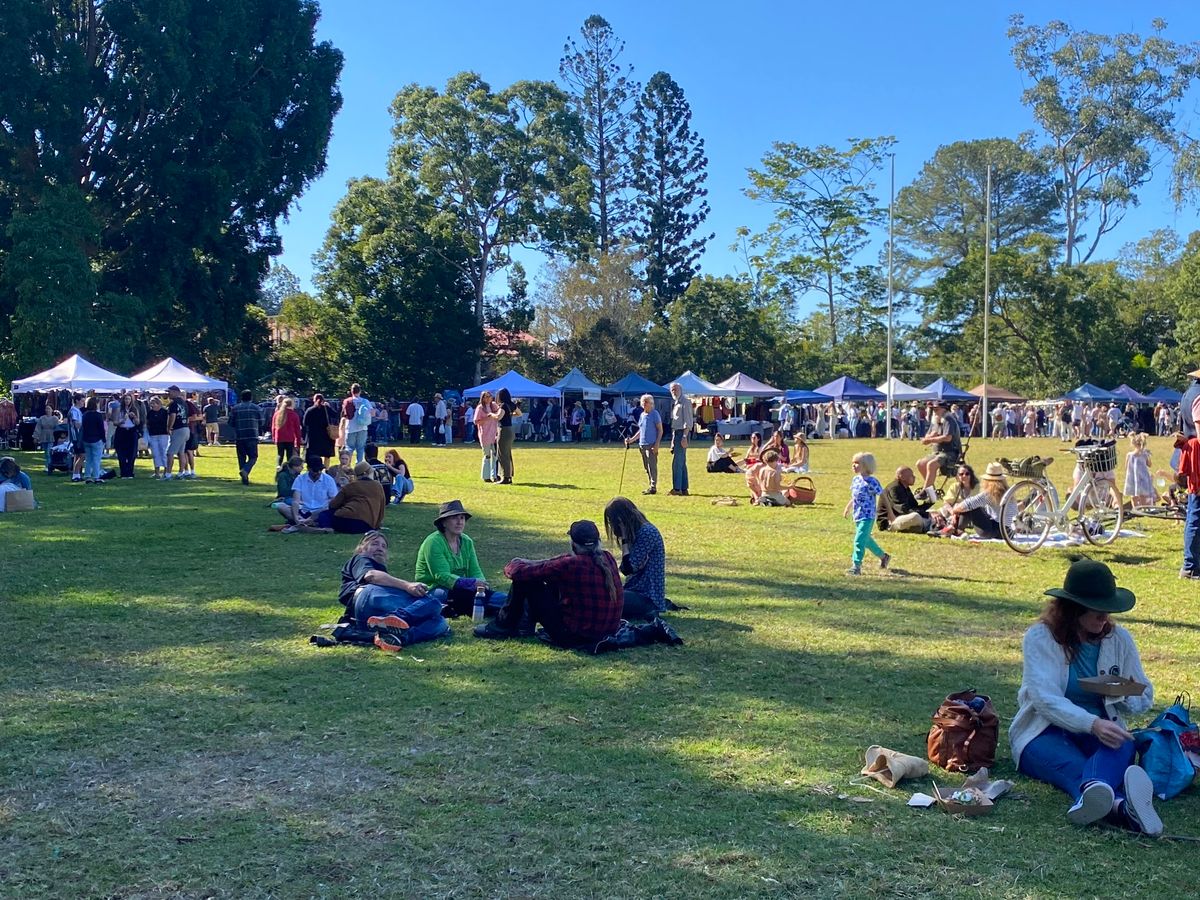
(1030, 508)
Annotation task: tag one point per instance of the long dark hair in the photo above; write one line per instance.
(974, 479)
(1062, 617)
(623, 520)
(600, 557)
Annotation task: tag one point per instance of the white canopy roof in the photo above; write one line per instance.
(171, 371)
(902, 391)
(741, 385)
(74, 374)
(695, 386)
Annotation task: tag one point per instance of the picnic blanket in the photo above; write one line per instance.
(1054, 539)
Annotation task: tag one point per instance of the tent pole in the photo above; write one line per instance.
(987, 296)
(887, 415)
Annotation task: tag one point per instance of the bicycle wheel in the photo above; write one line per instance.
(1173, 513)
(1027, 510)
(1099, 514)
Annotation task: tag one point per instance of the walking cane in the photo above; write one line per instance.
(624, 458)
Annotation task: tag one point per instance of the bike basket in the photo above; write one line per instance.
(1099, 459)
(1025, 467)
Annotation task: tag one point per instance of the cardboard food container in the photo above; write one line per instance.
(17, 501)
(1112, 686)
(944, 797)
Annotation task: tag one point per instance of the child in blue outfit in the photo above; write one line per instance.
(863, 491)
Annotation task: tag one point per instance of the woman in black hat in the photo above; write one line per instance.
(447, 559)
(1071, 738)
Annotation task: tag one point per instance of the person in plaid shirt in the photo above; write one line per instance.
(577, 596)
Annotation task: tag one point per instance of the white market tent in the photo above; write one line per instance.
(695, 386)
(73, 374)
(518, 386)
(740, 385)
(171, 371)
(905, 392)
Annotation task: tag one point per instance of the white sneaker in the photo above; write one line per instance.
(1139, 801)
(931, 493)
(168, 477)
(1094, 803)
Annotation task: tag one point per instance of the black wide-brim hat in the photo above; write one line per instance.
(450, 508)
(1091, 584)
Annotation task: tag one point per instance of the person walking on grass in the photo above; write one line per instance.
(681, 427)
(648, 437)
(864, 488)
(246, 421)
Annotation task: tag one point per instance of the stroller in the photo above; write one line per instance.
(61, 455)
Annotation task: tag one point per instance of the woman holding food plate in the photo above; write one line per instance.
(1081, 673)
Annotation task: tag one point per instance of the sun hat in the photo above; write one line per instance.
(941, 404)
(363, 469)
(993, 471)
(1195, 373)
(584, 532)
(1091, 584)
(450, 508)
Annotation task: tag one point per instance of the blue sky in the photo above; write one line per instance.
(754, 72)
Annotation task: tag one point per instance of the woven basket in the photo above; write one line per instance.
(802, 494)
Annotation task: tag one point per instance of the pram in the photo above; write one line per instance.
(61, 455)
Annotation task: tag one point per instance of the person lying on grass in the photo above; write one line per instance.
(402, 610)
(1071, 738)
(446, 560)
(577, 597)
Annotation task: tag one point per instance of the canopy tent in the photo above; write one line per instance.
(996, 393)
(576, 382)
(1165, 394)
(518, 386)
(74, 374)
(1125, 392)
(695, 386)
(171, 371)
(1089, 393)
(905, 392)
(634, 385)
(944, 390)
(801, 397)
(740, 385)
(847, 388)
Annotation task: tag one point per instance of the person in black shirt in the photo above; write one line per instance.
(375, 599)
(508, 406)
(899, 509)
(92, 435)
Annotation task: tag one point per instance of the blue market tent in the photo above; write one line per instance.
(518, 385)
(1165, 394)
(576, 382)
(1089, 393)
(1125, 392)
(802, 397)
(634, 385)
(944, 390)
(847, 388)
(695, 386)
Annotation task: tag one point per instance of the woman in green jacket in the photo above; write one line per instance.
(447, 562)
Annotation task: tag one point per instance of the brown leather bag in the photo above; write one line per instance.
(963, 738)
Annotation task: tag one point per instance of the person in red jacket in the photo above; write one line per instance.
(285, 430)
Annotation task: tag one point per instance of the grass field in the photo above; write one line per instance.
(166, 729)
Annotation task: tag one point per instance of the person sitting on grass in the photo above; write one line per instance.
(799, 460)
(755, 451)
(899, 510)
(643, 559)
(864, 488)
(343, 473)
(1067, 736)
(720, 459)
(359, 506)
(982, 510)
(446, 560)
(401, 483)
(770, 481)
(311, 495)
(285, 482)
(402, 612)
(753, 482)
(577, 597)
(10, 473)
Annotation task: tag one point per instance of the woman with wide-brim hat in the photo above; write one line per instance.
(1068, 737)
(447, 562)
(982, 510)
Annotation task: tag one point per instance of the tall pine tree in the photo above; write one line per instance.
(601, 91)
(669, 171)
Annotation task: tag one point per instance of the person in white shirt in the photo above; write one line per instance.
(439, 421)
(311, 494)
(416, 417)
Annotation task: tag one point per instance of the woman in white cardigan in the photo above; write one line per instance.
(1072, 739)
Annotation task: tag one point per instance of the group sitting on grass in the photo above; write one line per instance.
(345, 499)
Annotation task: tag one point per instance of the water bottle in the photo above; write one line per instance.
(477, 609)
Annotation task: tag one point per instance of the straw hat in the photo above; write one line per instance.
(1195, 373)
(993, 472)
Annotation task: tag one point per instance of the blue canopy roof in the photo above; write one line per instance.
(1089, 393)
(1128, 393)
(634, 385)
(799, 396)
(518, 385)
(944, 390)
(847, 388)
(1166, 394)
(575, 380)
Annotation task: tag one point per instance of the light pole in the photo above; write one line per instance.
(987, 295)
(887, 422)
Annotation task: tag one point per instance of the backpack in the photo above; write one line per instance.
(1162, 753)
(362, 414)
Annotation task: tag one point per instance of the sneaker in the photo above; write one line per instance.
(673, 493)
(854, 570)
(389, 641)
(1094, 803)
(168, 477)
(76, 478)
(245, 477)
(1139, 802)
(493, 631)
(388, 621)
(884, 560)
(1185, 573)
(290, 529)
(649, 491)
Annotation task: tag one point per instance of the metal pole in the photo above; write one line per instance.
(985, 420)
(887, 421)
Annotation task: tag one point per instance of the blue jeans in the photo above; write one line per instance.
(864, 542)
(46, 449)
(401, 488)
(679, 473)
(92, 454)
(1191, 535)
(357, 441)
(491, 463)
(1069, 761)
(423, 614)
